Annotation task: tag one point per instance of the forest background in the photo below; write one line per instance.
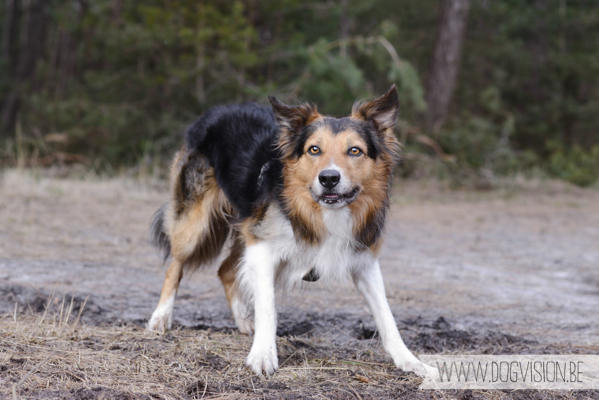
(488, 88)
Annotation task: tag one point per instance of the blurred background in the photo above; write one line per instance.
(488, 88)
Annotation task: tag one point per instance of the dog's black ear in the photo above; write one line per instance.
(293, 118)
(381, 111)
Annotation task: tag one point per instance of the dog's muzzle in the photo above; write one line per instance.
(332, 190)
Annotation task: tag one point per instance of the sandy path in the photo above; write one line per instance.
(521, 261)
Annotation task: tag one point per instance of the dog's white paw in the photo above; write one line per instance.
(418, 367)
(243, 317)
(263, 360)
(161, 321)
(432, 372)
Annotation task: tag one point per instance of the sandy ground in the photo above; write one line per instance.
(516, 264)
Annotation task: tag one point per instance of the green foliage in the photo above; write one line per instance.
(480, 144)
(575, 164)
(536, 62)
(128, 76)
(410, 89)
(120, 79)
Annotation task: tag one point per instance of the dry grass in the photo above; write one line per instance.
(55, 356)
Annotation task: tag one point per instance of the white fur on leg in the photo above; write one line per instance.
(258, 277)
(243, 316)
(162, 317)
(369, 282)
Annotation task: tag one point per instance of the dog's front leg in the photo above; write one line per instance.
(261, 267)
(369, 282)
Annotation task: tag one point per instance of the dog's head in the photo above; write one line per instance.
(333, 160)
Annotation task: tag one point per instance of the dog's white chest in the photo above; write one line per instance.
(334, 258)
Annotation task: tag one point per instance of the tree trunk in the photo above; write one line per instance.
(30, 50)
(8, 55)
(446, 61)
(10, 34)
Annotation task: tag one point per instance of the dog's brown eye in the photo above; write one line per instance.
(314, 150)
(355, 151)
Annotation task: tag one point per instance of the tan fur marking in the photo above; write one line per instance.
(186, 231)
(171, 282)
(314, 116)
(374, 196)
(375, 248)
(228, 270)
(198, 214)
(245, 228)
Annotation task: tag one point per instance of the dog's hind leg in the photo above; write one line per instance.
(162, 318)
(197, 238)
(195, 225)
(369, 283)
(242, 311)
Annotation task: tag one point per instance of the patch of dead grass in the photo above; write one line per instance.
(56, 356)
(48, 356)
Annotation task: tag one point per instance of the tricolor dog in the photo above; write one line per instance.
(299, 195)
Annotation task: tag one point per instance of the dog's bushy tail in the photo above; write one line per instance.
(158, 236)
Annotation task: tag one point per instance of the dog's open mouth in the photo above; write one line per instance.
(332, 198)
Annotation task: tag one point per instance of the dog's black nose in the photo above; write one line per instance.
(329, 178)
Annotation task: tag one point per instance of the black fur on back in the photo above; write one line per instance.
(240, 142)
(157, 235)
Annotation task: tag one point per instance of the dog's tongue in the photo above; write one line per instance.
(331, 196)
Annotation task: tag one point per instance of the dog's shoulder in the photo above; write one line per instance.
(234, 124)
(239, 140)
